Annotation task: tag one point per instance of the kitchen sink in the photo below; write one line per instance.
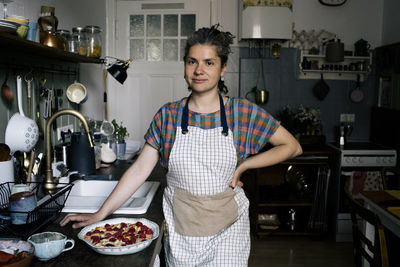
(88, 196)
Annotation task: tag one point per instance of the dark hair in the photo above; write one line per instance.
(212, 36)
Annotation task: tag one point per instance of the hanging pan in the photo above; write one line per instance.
(321, 89)
(357, 95)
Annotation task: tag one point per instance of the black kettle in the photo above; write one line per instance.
(361, 48)
(81, 156)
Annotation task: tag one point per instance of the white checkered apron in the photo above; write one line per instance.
(203, 162)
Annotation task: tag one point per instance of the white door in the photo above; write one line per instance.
(153, 34)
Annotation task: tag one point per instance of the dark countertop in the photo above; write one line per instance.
(81, 255)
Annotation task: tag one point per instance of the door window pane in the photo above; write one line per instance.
(170, 25)
(170, 50)
(153, 47)
(137, 49)
(188, 24)
(183, 44)
(136, 28)
(153, 26)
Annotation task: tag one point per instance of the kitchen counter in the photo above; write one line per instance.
(82, 255)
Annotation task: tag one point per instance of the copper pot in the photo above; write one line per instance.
(52, 39)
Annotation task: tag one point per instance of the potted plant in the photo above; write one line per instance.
(120, 133)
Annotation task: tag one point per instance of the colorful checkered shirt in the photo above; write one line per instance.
(251, 126)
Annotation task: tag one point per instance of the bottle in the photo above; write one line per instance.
(94, 41)
(47, 19)
(341, 138)
(80, 36)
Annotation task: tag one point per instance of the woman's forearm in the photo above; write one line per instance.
(131, 180)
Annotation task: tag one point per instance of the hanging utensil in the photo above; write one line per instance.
(31, 159)
(357, 95)
(22, 133)
(6, 92)
(28, 92)
(321, 89)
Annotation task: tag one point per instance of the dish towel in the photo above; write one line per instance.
(365, 181)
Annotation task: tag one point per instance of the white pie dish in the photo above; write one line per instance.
(122, 250)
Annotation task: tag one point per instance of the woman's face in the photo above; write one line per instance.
(203, 68)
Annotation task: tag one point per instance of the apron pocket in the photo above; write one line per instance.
(203, 215)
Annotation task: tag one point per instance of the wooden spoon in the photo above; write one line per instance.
(4, 152)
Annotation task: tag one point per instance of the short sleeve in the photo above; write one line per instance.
(153, 134)
(252, 127)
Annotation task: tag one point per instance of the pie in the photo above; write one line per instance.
(120, 234)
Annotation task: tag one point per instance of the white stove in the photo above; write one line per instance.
(367, 155)
(358, 156)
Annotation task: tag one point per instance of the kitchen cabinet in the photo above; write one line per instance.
(291, 198)
(313, 66)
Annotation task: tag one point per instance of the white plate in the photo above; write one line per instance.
(123, 250)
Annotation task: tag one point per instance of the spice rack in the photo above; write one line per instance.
(312, 66)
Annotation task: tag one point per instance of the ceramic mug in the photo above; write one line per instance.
(7, 171)
(20, 205)
(49, 245)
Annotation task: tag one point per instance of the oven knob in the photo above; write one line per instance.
(347, 160)
(378, 160)
(384, 160)
(391, 160)
(355, 160)
(361, 160)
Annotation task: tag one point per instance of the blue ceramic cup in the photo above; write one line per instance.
(49, 245)
(20, 205)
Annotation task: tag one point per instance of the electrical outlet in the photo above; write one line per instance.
(351, 117)
(347, 117)
(64, 129)
(343, 117)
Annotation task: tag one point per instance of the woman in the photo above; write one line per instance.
(204, 142)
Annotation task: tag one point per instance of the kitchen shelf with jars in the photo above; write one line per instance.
(312, 66)
(14, 45)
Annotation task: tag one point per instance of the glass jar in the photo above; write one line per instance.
(65, 35)
(94, 41)
(73, 43)
(78, 34)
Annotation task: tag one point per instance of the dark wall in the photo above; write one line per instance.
(285, 89)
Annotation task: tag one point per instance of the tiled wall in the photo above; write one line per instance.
(285, 89)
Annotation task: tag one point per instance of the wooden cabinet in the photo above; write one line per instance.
(312, 66)
(291, 198)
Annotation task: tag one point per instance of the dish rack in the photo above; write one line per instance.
(47, 210)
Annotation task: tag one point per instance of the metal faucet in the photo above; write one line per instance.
(50, 183)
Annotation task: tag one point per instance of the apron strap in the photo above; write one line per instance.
(185, 116)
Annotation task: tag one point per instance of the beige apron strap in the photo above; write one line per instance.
(203, 215)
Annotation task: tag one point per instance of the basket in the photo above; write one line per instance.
(48, 208)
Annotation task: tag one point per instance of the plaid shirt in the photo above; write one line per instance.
(251, 126)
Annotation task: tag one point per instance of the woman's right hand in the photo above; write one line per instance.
(81, 219)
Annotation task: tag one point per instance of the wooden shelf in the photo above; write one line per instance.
(264, 233)
(13, 44)
(314, 72)
(286, 204)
